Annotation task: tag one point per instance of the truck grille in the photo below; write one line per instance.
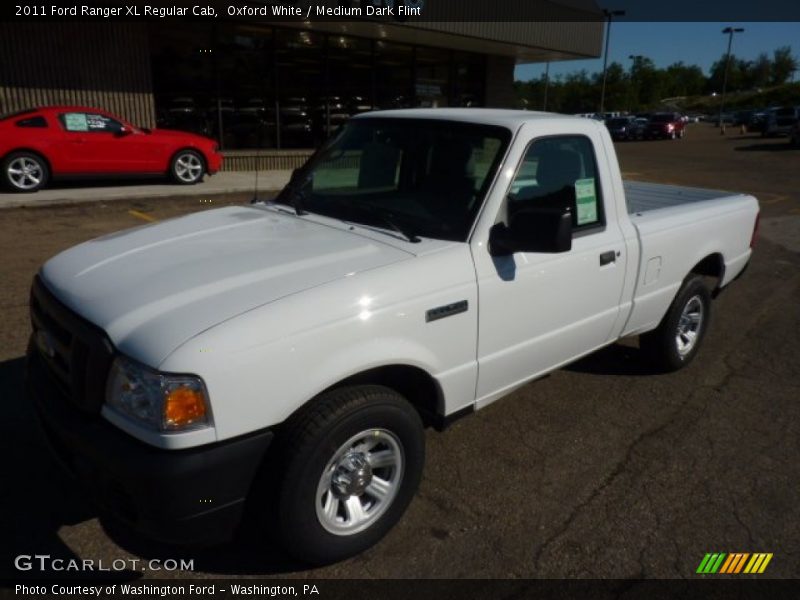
(76, 353)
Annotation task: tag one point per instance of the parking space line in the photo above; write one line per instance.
(141, 215)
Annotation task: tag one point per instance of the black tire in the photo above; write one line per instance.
(309, 449)
(662, 346)
(187, 167)
(24, 183)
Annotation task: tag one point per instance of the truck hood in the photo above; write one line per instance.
(154, 287)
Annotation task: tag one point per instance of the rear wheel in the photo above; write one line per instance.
(351, 465)
(187, 167)
(677, 339)
(25, 172)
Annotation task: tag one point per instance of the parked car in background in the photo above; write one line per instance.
(626, 128)
(794, 136)
(757, 119)
(53, 142)
(665, 125)
(780, 121)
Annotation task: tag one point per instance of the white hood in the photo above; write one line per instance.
(154, 287)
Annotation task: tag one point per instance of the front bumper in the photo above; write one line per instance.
(214, 162)
(179, 496)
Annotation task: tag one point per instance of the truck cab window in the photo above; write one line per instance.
(560, 173)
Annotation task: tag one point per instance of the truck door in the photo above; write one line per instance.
(538, 311)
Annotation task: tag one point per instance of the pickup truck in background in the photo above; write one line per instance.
(669, 126)
(276, 364)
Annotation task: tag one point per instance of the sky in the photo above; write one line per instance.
(667, 43)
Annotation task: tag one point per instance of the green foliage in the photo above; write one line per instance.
(643, 86)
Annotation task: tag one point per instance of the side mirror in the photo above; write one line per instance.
(533, 230)
(123, 131)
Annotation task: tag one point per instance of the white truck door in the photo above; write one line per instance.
(538, 311)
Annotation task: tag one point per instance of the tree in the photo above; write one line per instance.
(761, 71)
(683, 80)
(783, 65)
(737, 74)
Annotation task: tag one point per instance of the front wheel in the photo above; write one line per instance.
(677, 339)
(351, 465)
(187, 167)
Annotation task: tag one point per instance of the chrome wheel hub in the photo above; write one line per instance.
(360, 482)
(352, 475)
(188, 167)
(689, 324)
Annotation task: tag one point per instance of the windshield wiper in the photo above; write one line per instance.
(387, 219)
(297, 200)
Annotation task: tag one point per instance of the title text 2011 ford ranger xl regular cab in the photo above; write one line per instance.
(279, 361)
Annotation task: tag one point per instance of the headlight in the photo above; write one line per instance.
(159, 400)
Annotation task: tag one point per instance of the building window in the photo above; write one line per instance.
(432, 80)
(394, 75)
(253, 86)
(246, 106)
(469, 79)
(183, 77)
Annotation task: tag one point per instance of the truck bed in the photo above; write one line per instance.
(643, 197)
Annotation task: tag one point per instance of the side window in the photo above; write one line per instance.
(36, 122)
(560, 173)
(89, 122)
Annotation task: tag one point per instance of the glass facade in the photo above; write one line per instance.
(254, 87)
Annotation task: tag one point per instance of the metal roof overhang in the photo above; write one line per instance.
(524, 41)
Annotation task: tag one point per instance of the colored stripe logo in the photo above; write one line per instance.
(734, 563)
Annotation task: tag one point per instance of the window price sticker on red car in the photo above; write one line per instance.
(75, 122)
(586, 201)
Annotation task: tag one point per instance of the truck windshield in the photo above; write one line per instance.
(418, 177)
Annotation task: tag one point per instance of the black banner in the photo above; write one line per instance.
(427, 589)
(407, 11)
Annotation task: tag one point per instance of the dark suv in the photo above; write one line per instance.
(780, 121)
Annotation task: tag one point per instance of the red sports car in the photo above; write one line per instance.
(75, 141)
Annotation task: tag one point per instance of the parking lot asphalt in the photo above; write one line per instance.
(602, 470)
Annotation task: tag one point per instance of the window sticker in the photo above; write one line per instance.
(97, 122)
(75, 122)
(586, 201)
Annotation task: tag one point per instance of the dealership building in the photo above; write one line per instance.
(268, 92)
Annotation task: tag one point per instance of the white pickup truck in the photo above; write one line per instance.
(279, 361)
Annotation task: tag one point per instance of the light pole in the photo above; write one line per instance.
(635, 58)
(729, 31)
(546, 84)
(610, 14)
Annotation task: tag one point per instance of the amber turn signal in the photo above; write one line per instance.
(184, 406)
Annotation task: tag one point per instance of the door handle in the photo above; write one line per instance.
(608, 257)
